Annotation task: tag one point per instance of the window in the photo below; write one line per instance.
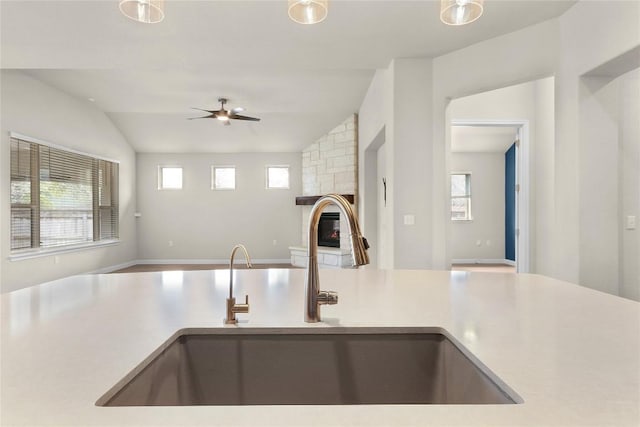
(59, 197)
(461, 197)
(169, 178)
(277, 177)
(223, 177)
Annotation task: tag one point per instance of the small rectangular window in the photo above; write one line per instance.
(223, 177)
(277, 177)
(461, 197)
(169, 178)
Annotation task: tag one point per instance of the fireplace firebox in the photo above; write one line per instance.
(329, 229)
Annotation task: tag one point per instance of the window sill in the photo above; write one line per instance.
(38, 253)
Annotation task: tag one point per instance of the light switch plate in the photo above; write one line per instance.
(409, 220)
(631, 222)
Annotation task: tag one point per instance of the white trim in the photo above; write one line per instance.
(112, 268)
(523, 179)
(43, 252)
(27, 138)
(209, 261)
(127, 264)
(483, 261)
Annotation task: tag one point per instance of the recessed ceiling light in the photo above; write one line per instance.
(91, 99)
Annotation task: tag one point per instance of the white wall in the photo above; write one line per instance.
(33, 108)
(598, 174)
(371, 137)
(398, 102)
(408, 100)
(205, 224)
(482, 238)
(531, 102)
(522, 56)
(629, 128)
(585, 37)
(610, 183)
(591, 33)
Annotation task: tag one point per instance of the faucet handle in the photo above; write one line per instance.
(327, 297)
(365, 243)
(242, 308)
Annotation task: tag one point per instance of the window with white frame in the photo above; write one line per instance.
(223, 177)
(60, 197)
(169, 177)
(461, 197)
(277, 177)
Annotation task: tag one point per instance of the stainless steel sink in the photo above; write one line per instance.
(309, 366)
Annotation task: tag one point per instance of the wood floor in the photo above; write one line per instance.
(491, 268)
(141, 268)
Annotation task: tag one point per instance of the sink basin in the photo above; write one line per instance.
(309, 366)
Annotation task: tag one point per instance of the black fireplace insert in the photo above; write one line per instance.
(329, 229)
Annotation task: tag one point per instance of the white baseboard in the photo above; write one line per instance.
(210, 261)
(184, 261)
(483, 261)
(113, 268)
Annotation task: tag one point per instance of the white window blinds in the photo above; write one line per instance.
(60, 198)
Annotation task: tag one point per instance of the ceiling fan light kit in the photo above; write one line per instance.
(145, 11)
(308, 11)
(225, 115)
(460, 12)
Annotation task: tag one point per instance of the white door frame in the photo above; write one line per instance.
(523, 180)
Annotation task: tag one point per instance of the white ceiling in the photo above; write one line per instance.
(482, 139)
(300, 80)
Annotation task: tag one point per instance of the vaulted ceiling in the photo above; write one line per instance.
(301, 80)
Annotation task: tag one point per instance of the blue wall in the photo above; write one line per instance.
(510, 203)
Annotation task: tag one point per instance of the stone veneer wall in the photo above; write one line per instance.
(329, 165)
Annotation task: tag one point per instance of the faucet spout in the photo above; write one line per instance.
(232, 307)
(314, 297)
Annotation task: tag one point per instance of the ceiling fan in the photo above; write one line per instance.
(225, 115)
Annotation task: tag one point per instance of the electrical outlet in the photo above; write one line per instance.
(170, 243)
(275, 242)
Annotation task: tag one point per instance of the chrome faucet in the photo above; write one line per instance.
(232, 307)
(314, 297)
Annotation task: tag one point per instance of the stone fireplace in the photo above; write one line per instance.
(329, 165)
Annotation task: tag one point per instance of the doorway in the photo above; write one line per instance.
(496, 232)
(375, 203)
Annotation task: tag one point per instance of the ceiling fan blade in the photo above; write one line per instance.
(208, 111)
(210, 116)
(239, 117)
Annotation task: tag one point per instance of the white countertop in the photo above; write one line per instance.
(572, 354)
